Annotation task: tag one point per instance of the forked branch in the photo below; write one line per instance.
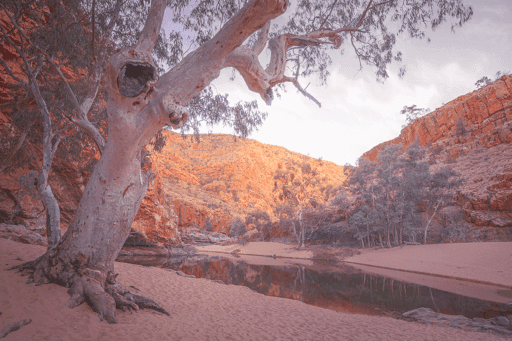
(261, 80)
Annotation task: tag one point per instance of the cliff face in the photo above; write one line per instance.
(472, 133)
(208, 184)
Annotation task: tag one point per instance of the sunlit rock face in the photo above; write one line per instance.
(208, 184)
(472, 133)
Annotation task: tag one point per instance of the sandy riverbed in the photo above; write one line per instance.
(200, 310)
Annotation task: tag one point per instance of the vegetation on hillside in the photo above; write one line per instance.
(387, 202)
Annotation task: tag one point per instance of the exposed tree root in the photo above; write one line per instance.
(13, 327)
(101, 291)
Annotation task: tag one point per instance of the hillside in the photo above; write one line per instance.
(208, 184)
(472, 133)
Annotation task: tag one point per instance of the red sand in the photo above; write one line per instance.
(200, 309)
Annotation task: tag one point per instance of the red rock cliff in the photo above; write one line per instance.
(208, 184)
(474, 134)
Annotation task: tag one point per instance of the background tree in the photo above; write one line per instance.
(486, 80)
(297, 186)
(261, 221)
(141, 101)
(440, 192)
(412, 113)
(392, 193)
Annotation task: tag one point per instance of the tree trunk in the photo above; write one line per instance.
(49, 148)
(302, 229)
(430, 220)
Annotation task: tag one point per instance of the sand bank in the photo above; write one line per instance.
(487, 263)
(201, 310)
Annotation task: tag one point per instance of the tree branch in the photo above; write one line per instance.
(151, 30)
(203, 65)
(304, 92)
(261, 42)
(12, 74)
(328, 15)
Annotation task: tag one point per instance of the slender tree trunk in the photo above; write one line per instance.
(49, 149)
(430, 220)
(302, 229)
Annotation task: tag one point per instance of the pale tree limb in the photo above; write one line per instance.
(430, 220)
(50, 203)
(261, 42)
(261, 80)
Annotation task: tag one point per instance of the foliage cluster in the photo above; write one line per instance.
(397, 196)
(385, 202)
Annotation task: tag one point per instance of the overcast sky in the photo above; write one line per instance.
(358, 113)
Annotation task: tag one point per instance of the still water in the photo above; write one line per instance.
(340, 287)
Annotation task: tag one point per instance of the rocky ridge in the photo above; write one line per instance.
(205, 185)
(472, 133)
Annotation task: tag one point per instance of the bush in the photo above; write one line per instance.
(261, 221)
(237, 228)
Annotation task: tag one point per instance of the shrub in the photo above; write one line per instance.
(237, 228)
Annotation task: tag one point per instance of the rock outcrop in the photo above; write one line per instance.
(472, 133)
(208, 184)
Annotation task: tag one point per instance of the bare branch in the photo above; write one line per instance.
(8, 32)
(22, 55)
(201, 67)
(260, 44)
(12, 74)
(304, 92)
(56, 145)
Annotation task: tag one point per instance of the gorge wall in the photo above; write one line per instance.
(472, 133)
(208, 184)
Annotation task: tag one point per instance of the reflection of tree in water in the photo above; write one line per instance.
(355, 292)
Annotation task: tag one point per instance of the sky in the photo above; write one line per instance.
(357, 112)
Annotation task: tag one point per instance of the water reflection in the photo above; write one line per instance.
(342, 288)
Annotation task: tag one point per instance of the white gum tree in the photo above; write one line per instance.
(140, 102)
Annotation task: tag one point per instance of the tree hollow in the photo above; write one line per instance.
(134, 77)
